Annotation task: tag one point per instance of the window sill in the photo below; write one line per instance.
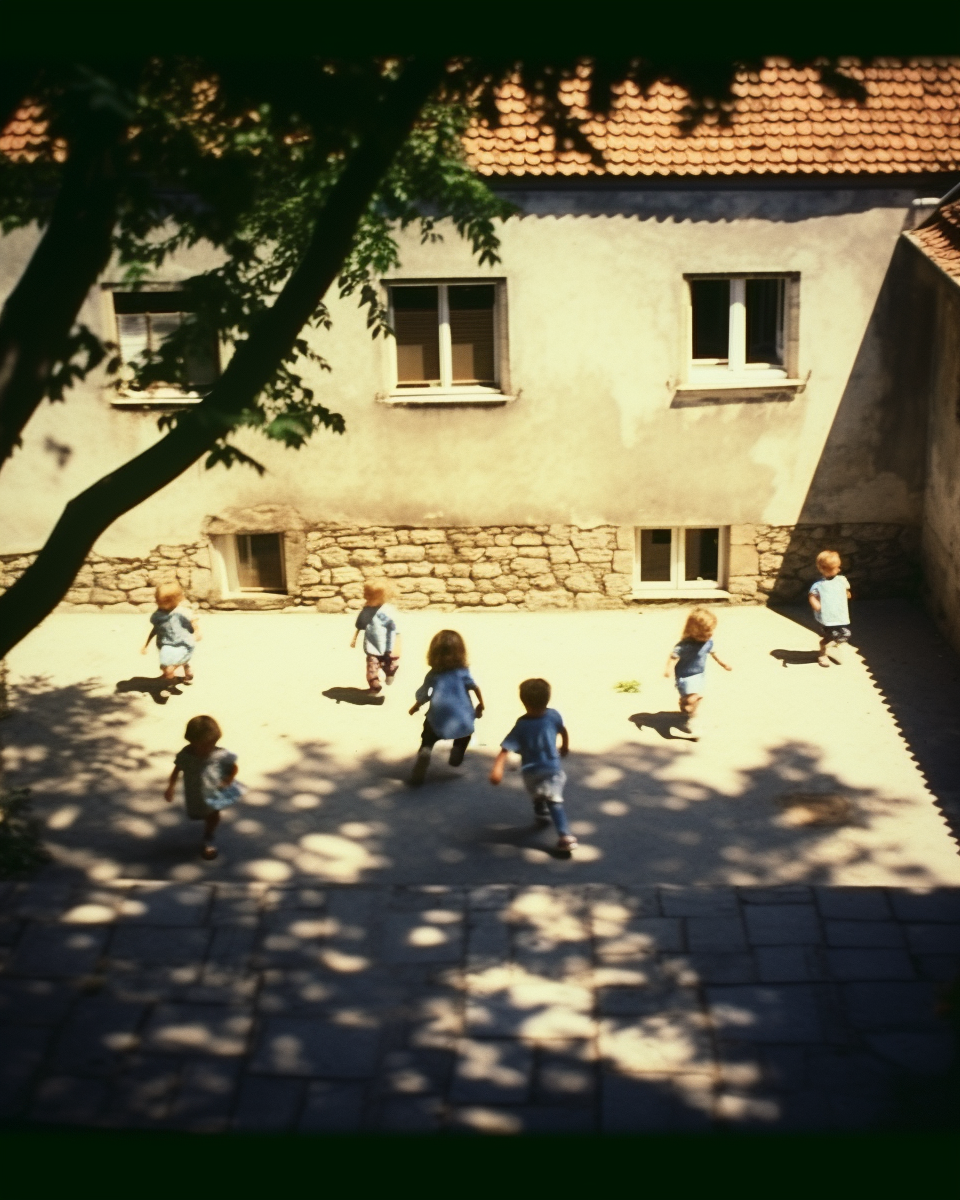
(681, 593)
(445, 396)
(164, 398)
(743, 390)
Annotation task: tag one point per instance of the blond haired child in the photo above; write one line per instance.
(381, 638)
(828, 598)
(451, 714)
(688, 662)
(534, 738)
(176, 630)
(208, 772)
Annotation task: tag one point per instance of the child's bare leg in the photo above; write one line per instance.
(187, 673)
(825, 644)
(169, 673)
(210, 823)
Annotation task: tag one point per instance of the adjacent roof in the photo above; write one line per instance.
(25, 134)
(784, 121)
(939, 239)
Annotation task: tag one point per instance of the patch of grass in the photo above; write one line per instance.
(627, 685)
(21, 845)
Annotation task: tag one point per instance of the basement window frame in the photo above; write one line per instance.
(445, 391)
(677, 586)
(227, 567)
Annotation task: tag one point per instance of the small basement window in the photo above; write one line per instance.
(680, 560)
(249, 562)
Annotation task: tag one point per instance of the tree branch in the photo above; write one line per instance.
(75, 248)
(86, 517)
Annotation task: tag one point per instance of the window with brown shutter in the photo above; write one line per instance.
(146, 319)
(445, 335)
(471, 334)
(416, 326)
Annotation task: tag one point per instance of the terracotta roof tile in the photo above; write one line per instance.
(783, 121)
(940, 239)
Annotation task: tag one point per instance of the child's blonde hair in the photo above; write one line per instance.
(699, 626)
(447, 651)
(828, 558)
(377, 591)
(169, 591)
(203, 729)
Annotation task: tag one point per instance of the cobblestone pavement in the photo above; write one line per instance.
(499, 1009)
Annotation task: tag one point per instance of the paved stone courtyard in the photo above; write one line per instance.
(366, 958)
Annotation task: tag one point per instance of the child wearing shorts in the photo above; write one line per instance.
(451, 714)
(829, 598)
(176, 630)
(534, 738)
(688, 662)
(208, 772)
(381, 640)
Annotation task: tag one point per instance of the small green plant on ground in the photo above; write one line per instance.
(627, 685)
(21, 847)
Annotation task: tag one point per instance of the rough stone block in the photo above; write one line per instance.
(528, 538)
(578, 581)
(492, 599)
(426, 537)
(439, 554)
(404, 554)
(482, 570)
(617, 585)
(364, 558)
(595, 556)
(342, 575)
(563, 554)
(530, 566)
(332, 605)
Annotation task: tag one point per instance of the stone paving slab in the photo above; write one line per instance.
(546, 1009)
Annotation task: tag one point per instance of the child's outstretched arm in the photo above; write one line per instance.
(814, 601)
(478, 711)
(668, 669)
(150, 636)
(717, 659)
(353, 640)
(195, 622)
(168, 794)
(496, 771)
(564, 742)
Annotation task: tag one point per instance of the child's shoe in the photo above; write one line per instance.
(208, 851)
(541, 812)
(567, 843)
(456, 755)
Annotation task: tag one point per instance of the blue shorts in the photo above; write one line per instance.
(690, 685)
(175, 656)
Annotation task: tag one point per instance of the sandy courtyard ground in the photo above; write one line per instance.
(327, 801)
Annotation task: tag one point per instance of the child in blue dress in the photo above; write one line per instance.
(208, 773)
(381, 638)
(688, 662)
(451, 714)
(176, 630)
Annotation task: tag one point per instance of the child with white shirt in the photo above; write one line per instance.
(381, 639)
(828, 598)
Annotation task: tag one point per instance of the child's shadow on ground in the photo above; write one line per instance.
(352, 695)
(796, 658)
(157, 688)
(663, 722)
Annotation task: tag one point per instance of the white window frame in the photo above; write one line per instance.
(677, 585)
(160, 396)
(447, 392)
(737, 371)
(226, 570)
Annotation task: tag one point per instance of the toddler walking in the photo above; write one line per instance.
(381, 640)
(534, 738)
(828, 598)
(451, 714)
(208, 774)
(176, 630)
(688, 661)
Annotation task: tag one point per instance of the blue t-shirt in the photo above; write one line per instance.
(535, 740)
(174, 628)
(451, 713)
(379, 625)
(691, 657)
(832, 594)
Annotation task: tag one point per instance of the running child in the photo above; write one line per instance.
(828, 598)
(381, 639)
(688, 662)
(176, 630)
(534, 738)
(451, 714)
(208, 772)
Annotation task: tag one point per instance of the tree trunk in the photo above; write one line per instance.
(85, 518)
(75, 248)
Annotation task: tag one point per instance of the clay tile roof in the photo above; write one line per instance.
(783, 122)
(940, 239)
(25, 135)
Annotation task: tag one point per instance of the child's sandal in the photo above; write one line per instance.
(567, 843)
(208, 852)
(823, 661)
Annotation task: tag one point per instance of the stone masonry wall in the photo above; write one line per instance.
(512, 568)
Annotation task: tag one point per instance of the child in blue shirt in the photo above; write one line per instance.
(451, 714)
(534, 738)
(208, 773)
(176, 630)
(828, 598)
(381, 638)
(688, 662)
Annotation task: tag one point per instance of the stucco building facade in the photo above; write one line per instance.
(682, 380)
